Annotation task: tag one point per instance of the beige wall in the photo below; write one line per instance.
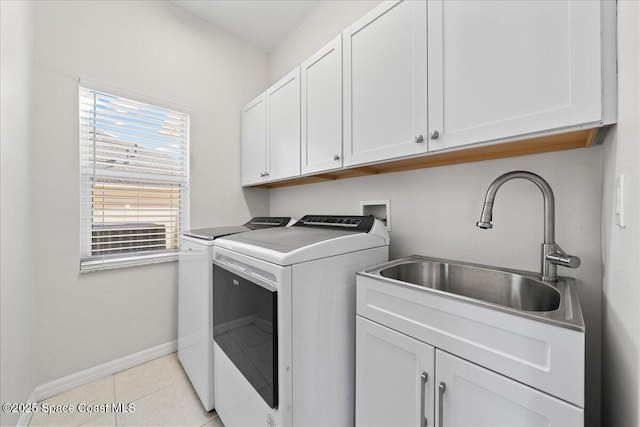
(159, 50)
(15, 264)
(621, 246)
(434, 210)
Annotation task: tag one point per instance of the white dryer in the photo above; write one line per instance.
(284, 320)
(195, 289)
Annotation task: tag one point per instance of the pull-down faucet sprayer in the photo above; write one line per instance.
(552, 253)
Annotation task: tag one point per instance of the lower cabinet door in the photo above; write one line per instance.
(469, 395)
(394, 378)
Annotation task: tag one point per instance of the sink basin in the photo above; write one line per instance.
(493, 286)
(515, 292)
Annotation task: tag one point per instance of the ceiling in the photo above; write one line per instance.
(262, 23)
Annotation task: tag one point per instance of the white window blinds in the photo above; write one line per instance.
(134, 167)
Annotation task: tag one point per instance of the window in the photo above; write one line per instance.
(134, 176)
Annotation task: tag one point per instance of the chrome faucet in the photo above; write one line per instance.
(552, 253)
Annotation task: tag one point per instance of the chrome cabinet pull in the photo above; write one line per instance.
(441, 389)
(423, 382)
(434, 135)
(418, 139)
(336, 157)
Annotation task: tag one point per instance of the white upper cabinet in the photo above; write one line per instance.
(321, 77)
(283, 127)
(271, 133)
(254, 132)
(385, 83)
(500, 69)
(417, 76)
(469, 395)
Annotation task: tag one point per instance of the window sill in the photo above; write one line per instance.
(90, 266)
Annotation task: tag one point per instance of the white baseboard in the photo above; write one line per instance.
(25, 418)
(69, 382)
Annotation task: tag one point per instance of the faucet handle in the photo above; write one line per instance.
(564, 260)
(560, 257)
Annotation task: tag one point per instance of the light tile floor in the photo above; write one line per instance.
(159, 390)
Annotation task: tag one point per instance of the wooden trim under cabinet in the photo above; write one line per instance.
(558, 142)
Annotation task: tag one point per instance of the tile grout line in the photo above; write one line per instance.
(156, 391)
(96, 415)
(212, 419)
(114, 389)
(99, 415)
(183, 377)
(170, 385)
(161, 388)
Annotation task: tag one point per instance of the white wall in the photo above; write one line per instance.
(327, 21)
(621, 251)
(434, 210)
(162, 51)
(15, 278)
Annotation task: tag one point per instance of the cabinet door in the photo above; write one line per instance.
(469, 395)
(321, 77)
(499, 69)
(254, 131)
(385, 83)
(283, 127)
(394, 378)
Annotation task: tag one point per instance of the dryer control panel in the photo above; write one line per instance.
(266, 222)
(353, 223)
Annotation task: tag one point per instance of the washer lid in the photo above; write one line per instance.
(293, 245)
(212, 233)
(256, 223)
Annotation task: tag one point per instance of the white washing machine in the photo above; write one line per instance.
(284, 320)
(195, 290)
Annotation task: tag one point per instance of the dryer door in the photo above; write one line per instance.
(245, 327)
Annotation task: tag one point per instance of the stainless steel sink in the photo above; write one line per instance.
(516, 292)
(494, 286)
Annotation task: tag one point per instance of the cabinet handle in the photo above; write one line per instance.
(441, 389)
(418, 139)
(266, 174)
(434, 135)
(423, 382)
(336, 157)
(261, 174)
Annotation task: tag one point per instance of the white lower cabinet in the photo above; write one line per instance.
(401, 381)
(394, 378)
(469, 395)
